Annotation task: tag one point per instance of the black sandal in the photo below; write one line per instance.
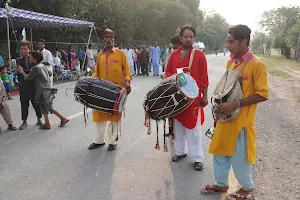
(12, 127)
(95, 146)
(112, 147)
(177, 158)
(198, 166)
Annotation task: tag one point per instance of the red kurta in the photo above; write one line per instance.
(188, 118)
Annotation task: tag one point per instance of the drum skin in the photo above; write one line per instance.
(159, 103)
(98, 94)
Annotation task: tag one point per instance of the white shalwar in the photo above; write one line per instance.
(90, 58)
(188, 141)
(130, 56)
(109, 129)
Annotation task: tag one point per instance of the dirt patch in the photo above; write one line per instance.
(277, 171)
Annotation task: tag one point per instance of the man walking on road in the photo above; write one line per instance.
(155, 57)
(144, 60)
(27, 88)
(117, 71)
(186, 125)
(130, 57)
(233, 143)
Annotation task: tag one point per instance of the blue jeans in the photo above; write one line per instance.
(241, 167)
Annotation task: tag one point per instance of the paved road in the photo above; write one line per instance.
(56, 164)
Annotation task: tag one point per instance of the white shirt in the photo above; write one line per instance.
(89, 53)
(56, 61)
(47, 57)
(130, 54)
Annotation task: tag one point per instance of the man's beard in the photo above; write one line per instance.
(187, 46)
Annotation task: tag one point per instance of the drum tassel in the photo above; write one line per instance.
(147, 121)
(85, 115)
(157, 141)
(165, 144)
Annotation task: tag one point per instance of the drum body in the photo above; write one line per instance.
(169, 99)
(101, 95)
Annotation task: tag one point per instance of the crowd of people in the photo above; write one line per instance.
(233, 142)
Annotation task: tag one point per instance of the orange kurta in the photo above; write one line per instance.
(254, 81)
(113, 67)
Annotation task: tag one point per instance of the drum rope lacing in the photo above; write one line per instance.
(99, 86)
(175, 104)
(160, 96)
(77, 95)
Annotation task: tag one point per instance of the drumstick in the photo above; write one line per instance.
(68, 89)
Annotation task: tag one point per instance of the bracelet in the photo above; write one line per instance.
(241, 102)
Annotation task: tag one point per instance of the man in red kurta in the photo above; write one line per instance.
(187, 124)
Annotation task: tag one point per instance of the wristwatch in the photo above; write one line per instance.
(241, 102)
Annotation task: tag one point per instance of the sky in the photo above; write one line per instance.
(250, 12)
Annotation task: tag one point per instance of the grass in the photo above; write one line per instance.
(289, 64)
(274, 64)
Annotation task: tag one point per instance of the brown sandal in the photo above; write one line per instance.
(213, 189)
(63, 123)
(236, 196)
(45, 127)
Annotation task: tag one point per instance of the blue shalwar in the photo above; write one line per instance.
(242, 170)
(155, 56)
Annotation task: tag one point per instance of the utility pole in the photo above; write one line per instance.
(8, 34)
(297, 49)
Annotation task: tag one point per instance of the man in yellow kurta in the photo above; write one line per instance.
(233, 143)
(111, 65)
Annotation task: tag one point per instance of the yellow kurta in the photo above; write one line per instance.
(254, 81)
(114, 68)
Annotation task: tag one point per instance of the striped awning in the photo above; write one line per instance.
(28, 19)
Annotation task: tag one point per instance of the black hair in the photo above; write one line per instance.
(37, 56)
(187, 27)
(2, 68)
(175, 39)
(240, 32)
(42, 40)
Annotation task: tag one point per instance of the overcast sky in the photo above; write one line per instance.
(244, 12)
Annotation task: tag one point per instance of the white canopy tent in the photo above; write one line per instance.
(27, 19)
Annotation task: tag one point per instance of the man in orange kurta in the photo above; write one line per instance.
(233, 143)
(111, 65)
(187, 124)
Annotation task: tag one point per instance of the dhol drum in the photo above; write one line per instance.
(170, 98)
(101, 95)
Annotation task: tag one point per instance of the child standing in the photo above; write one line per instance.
(6, 81)
(4, 109)
(78, 69)
(57, 63)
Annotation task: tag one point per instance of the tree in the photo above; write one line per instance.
(279, 23)
(214, 31)
(259, 40)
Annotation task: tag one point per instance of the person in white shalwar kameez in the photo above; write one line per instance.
(130, 57)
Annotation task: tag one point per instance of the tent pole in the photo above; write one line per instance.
(8, 38)
(31, 39)
(87, 44)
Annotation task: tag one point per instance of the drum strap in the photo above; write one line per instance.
(191, 59)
